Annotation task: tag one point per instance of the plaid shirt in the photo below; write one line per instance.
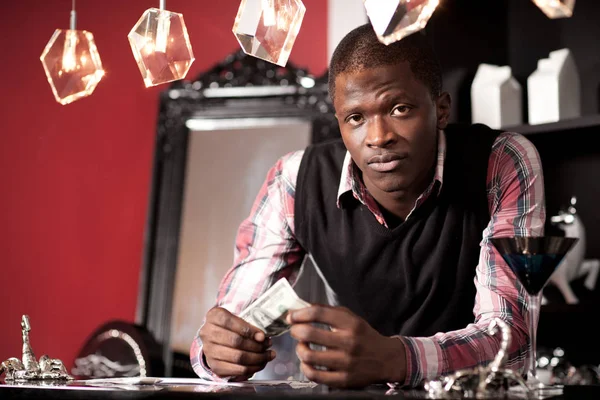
(266, 250)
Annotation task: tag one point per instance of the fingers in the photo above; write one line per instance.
(236, 356)
(338, 379)
(221, 317)
(232, 347)
(241, 372)
(312, 334)
(218, 335)
(334, 360)
(336, 317)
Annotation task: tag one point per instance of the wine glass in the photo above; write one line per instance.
(533, 260)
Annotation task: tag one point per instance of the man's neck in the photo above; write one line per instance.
(400, 203)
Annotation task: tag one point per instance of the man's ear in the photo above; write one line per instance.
(443, 103)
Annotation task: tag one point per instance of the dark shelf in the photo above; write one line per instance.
(587, 121)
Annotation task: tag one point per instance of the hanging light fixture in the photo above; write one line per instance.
(393, 20)
(267, 29)
(72, 63)
(161, 46)
(556, 8)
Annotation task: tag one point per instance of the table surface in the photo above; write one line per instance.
(161, 389)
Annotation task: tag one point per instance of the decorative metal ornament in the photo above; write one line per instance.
(118, 349)
(267, 29)
(29, 368)
(72, 63)
(492, 381)
(393, 20)
(556, 8)
(161, 46)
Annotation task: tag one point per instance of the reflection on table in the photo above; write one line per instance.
(158, 388)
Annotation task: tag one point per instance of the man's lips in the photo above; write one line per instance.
(385, 162)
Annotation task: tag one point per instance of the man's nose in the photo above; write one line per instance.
(379, 133)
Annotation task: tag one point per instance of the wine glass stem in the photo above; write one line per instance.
(534, 309)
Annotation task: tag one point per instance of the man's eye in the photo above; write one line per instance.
(400, 110)
(354, 119)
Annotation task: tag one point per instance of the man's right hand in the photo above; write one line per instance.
(232, 346)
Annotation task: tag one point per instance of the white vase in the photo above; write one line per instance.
(553, 89)
(496, 97)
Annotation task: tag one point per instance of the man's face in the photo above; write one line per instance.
(389, 122)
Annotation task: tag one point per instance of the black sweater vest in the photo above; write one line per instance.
(418, 278)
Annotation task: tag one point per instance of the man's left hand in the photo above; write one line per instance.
(356, 355)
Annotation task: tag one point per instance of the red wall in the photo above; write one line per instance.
(75, 179)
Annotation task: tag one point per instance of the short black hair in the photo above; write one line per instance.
(361, 49)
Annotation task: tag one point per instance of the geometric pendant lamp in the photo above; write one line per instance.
(267, 29)
(393, 20)
(72, 63)
(556, 8)
(161, 46)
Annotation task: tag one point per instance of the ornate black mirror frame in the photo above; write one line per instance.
(240, 86)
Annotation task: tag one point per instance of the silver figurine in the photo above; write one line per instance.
(491, 381)
(29, 368)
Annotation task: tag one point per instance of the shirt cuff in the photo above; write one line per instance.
(199, 364)
(424, 360)
(408, 361)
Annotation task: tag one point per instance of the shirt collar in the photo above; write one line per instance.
(351, 184)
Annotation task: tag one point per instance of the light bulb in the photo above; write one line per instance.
(268, 9)
(162, 32)
(69, 62)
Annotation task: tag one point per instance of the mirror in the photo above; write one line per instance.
(217, 137)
